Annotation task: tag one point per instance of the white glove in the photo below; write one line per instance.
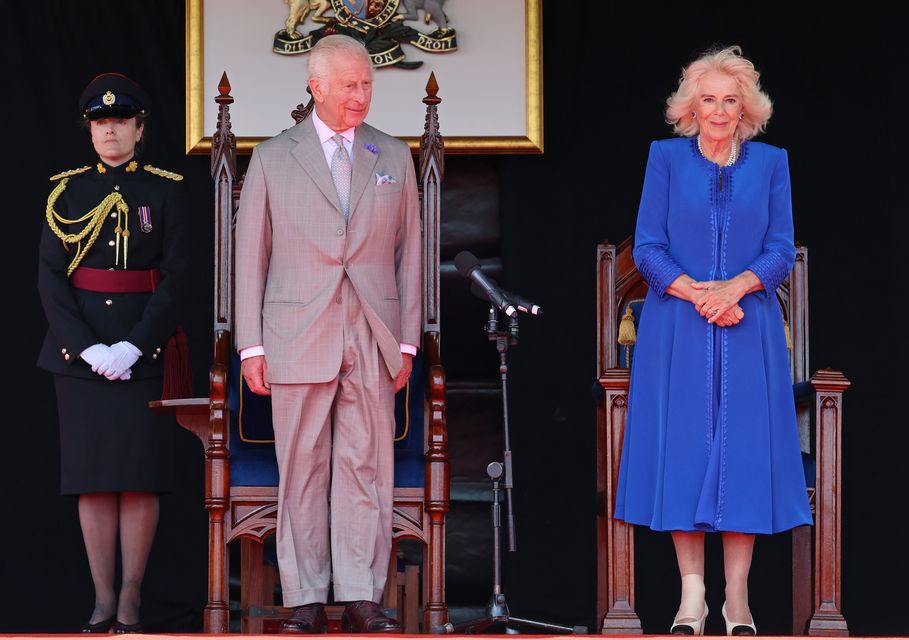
(122, 356)
(95, 355)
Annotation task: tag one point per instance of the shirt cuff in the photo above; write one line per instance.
(408, 348)
(249, 352)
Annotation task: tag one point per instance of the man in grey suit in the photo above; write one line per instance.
(328, 289)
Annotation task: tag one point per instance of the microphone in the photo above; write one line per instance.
(523, 304)
(469, 267)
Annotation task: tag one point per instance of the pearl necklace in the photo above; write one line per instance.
(733, 153)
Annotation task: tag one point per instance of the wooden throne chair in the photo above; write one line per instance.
(240, 467)
(816, 595)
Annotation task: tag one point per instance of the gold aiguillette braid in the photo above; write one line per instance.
(95, 221)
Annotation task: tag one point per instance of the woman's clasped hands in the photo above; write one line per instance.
(718, 301)
(114, 362)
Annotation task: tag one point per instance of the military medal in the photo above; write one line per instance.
(145, 222)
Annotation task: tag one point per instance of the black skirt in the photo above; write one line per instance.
(110, 441)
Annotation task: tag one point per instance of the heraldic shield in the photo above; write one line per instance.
(378, 24)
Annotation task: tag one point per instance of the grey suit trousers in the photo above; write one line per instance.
(340, 434)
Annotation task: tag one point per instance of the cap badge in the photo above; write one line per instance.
(109, 98)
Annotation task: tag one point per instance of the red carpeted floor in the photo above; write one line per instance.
(386, 636)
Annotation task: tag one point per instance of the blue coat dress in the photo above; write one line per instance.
(711, 442)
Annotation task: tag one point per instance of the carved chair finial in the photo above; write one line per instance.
(301, 112)
(224, 85)
(432, 90)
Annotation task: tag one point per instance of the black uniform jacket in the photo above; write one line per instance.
(76, 318)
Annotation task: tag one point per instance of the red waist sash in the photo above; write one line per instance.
(115, 281)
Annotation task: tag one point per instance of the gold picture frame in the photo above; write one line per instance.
(198, 141)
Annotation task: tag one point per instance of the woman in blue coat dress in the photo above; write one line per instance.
(711, 442)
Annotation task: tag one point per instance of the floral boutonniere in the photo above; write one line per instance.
(371, 148)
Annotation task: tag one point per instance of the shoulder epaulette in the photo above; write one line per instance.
(71, 172)
(164, 174)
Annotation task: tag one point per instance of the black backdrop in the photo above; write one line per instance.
(838, 82)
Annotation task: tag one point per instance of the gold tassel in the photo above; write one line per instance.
(788, 336)
(627, 336)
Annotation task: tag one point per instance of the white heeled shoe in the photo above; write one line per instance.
(739, 628)
(690, 627)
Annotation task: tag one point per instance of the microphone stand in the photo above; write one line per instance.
(497, 612)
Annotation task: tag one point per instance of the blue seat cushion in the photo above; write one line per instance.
(809, 463)
(252, 436)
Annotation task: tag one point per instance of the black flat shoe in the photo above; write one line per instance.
(98, 627)
(128, 628)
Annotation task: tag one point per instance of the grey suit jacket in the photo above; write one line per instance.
(293, 251)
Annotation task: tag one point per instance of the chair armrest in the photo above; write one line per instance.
(437, 439)
(829, 380)
(217, 392)
(205, 417)
(615, 379)
(191, 413)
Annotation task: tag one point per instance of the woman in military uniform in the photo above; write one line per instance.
(111, 276)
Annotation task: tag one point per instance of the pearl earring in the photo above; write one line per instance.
(742, 115)
(694, 115)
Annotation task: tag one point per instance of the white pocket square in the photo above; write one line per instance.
(386, 179)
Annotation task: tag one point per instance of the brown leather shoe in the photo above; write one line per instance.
(363, 616)
(310, 618)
